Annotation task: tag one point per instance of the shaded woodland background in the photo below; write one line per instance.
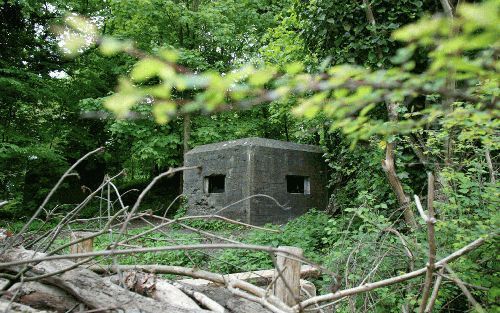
(44, 95)
(52, 109)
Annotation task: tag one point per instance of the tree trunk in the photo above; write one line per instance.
(388, 163)
(390, 170)
(42, 297)
(88, 287)
(186, 135)
(158, 289)
(6, 306)
(491, 169)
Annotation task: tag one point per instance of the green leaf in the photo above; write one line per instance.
(147, 68)
(110, 46)
(261, 77)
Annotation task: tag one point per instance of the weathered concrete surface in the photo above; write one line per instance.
(255, 166)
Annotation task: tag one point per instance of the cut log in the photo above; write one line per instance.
(232, 303)
(237, 286)
(261, 278)
(205, 301)
(83, 246)
(287, 274)
(3, 283)
(6, 306)
(88, 287)
(307, 289)
(158, 289)
(42, 297)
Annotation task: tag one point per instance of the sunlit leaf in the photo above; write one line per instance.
(148, 68)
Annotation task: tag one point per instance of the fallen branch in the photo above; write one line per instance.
(158, 289)
(150, 249)
(6, 306)
(42, 297)
(258, 277)
(219, 279)
(201, 298)
(88, 287)
(390, 281)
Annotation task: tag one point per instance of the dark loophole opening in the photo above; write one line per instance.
(298, 184)
(215, 183)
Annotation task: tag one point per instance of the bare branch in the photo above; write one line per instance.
(408, 252)
(435, 291)
(393, 280)
(171, 171)
(201, 298)
(12, 242)
(155, 249)
(466, 292)
(430, 220)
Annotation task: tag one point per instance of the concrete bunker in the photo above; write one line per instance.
(293, 174)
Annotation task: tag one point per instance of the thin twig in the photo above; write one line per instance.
(431, 240)
(466, 292)
(10, 243)
(156, 249)
(171, 171)
(393, 280)
(435, 291)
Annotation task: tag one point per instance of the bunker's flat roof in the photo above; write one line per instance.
(256, 141)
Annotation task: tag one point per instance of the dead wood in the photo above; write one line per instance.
(260, 278)
(88, 287)
(42, 297)
(158, 289)
(233, 303)
(205, 301)
(213, 297)
(389, 281)
(14, 307)
(242, 287)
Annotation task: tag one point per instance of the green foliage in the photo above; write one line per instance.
(253, 68)
(349, 94)
(306, 232)
(204, 224)
(341, 30)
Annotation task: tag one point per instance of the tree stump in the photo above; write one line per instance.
(287, 284)
(83, 246)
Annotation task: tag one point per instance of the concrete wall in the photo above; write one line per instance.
(255, 166)
(231, 162)
(271, 168)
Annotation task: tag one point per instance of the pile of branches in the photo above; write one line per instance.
(37, 275)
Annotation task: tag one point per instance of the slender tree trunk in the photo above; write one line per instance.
(448, 10)
(186, 136)
(491, 169)
(186, 133)
(286, 127)
(448, 101)
(389, 167)
(265, 115)
(369, 12)
(388, 163)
